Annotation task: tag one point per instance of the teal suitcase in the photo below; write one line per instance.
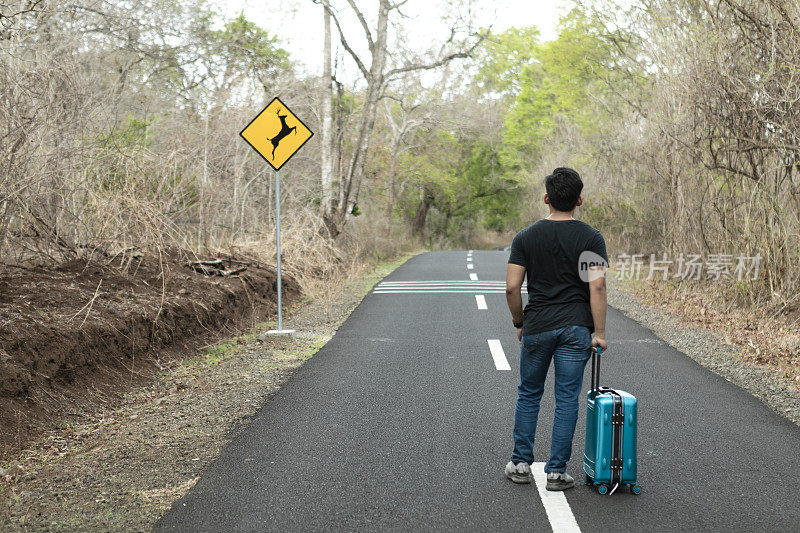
(609, 457)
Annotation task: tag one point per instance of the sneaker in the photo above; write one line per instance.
(559, 481)
(519, 473)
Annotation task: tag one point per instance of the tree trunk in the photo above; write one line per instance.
(376, 77)
(326, 203)
(393, 179)
(355, 170)
(422, 214)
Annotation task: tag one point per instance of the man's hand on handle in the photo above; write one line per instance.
(599, 340)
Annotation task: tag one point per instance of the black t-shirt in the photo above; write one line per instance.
(550, 251)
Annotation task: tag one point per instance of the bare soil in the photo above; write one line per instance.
(120, 466)
(78, 336)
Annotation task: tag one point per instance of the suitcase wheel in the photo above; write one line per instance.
(636, 489)
(587, 480)
(602, 489)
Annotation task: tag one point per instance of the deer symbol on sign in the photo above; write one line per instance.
(285, 130)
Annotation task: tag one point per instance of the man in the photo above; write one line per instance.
(564, 320)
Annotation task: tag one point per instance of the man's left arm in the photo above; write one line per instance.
(515, 275)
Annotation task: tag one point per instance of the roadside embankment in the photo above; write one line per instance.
(119, 469)
(73, 338)
(760, 354)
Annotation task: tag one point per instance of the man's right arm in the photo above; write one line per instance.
(515, 275)
(597, 302)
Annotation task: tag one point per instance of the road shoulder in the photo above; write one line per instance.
(121, 469)
(709, 348)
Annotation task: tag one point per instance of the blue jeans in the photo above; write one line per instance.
(569, 348)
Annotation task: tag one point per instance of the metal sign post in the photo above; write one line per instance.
(280, 331)
(278, 240)
(277, 134)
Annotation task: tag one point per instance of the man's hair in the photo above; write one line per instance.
(563, 188)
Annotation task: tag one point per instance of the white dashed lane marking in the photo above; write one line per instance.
(499, 356)
(555, 503)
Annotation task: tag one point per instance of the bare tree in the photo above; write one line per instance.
(714, 137)
(401, 125)
(376, 76)
(326, 159)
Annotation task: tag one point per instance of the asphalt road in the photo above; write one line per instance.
(403, 422)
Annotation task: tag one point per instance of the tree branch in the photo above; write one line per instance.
(439, 62)
(363, 22)
(31, 6)
(343, 40)
(398, 5)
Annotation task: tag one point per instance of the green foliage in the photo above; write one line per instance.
(463, 181)
(490, 195)
(247, 47)
(124, 164)
(556, 92)
(116, 150)
(557, 87)
(502, 59)
(132, 134)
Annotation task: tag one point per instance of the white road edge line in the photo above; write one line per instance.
(480, 299)
(473, 276)
(555, 503)
(499, 356)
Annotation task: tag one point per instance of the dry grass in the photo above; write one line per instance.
(89, 171)
(320, 264)
(768, 335)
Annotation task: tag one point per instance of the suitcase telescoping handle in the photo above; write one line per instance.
(595, 384)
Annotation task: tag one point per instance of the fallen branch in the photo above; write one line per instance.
(89, 304)
(215, 267)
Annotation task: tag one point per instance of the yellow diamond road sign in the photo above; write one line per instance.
(276, 133)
